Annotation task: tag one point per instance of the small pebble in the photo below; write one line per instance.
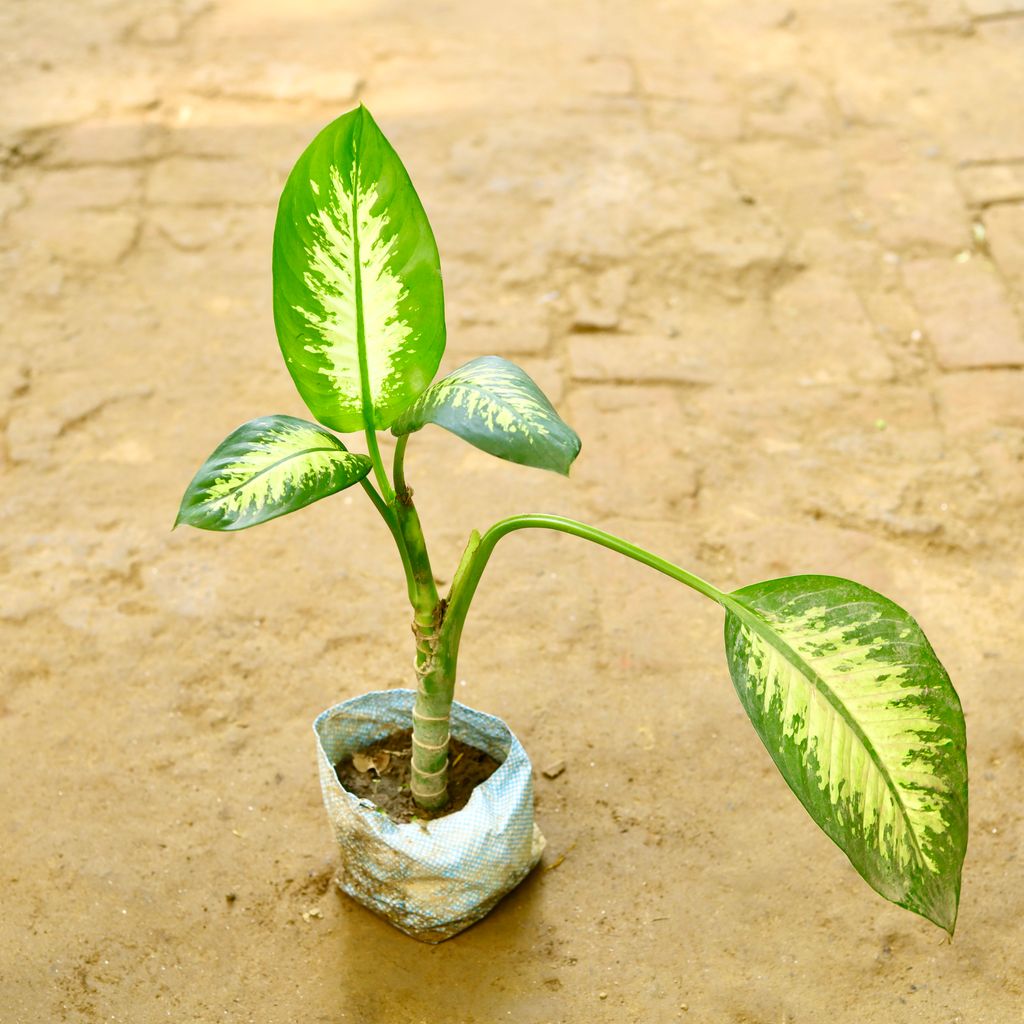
(602, 995)
(553, 770)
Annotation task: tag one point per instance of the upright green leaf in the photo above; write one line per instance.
(358, 301)
(861, 719)
(265, 468)
(493, 404)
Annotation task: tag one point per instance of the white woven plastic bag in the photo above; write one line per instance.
(431, 879)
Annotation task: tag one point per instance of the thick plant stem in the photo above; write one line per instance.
(429, 769)
(431, 717)
(426, 604)
(434, 664)
(436, 661)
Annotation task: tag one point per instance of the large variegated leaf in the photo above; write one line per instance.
(358, 302)
(861, 719)
(493, 404)
(265, 468)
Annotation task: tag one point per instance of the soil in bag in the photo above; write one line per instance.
(380, 773)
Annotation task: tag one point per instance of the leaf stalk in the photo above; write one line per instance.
(437, 650)
(462, 594)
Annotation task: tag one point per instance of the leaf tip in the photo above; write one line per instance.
(946, 917)
(575, 449)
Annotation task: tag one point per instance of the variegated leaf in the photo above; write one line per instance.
(493, 404)
(863, 722)
(358, 301)
(265, 468)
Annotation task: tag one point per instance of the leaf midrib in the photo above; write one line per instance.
(750, 617)
(357, 285)
(443, 388)
(267, 469)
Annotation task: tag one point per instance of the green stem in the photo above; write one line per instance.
(398, 468)
(437, 673)
(378, 466)
(389, 517)
(465, 587)
(427, 602)
(435, 665)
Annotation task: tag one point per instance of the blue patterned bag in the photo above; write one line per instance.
(431, 879)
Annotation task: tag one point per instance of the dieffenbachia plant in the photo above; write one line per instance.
(840, 683)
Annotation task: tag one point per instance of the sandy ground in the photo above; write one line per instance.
(766, 257)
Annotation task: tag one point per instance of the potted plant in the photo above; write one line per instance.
(839, 682)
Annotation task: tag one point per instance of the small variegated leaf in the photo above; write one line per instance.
(863, 722)
(266, 468)
(493, 404)
(358, 301)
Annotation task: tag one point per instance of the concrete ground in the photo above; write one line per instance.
(767, 258)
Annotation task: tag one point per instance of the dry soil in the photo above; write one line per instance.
(766, 257)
